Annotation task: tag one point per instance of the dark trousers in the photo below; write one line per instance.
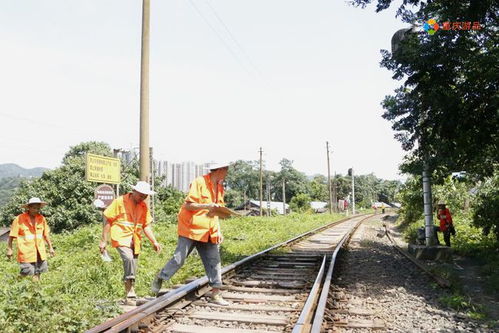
(447, 237)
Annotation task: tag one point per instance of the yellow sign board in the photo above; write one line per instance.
(102, 169)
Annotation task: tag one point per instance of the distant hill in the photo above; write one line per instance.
(9, 170)
(11, 176)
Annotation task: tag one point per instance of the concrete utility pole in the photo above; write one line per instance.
(153, 174)
(144, 94)
(329, 181)
(261, 183)
(335, 194)
(284, 196)
(353, 194)
(268, 194)
(428, 215)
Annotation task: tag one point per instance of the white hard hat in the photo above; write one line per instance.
(34, 200)
(143, 187)
(219, 165)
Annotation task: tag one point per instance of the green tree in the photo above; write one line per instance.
(387, 190)
(318, 188)
(411, 198)
(68, 194)
(167, 203)
(300, 203)
(446, 111)
(244, 178)
(486, 206)
(233, 198)
(296, 181)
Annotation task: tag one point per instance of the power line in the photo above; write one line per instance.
(231, 35)
(227, 46)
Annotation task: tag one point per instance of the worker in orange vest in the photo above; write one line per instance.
(127, 216)
(31, 231)
(198, 227)
(446, 224)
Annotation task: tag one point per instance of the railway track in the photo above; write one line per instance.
(282, 289)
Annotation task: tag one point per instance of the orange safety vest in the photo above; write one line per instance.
(445, 219)
(30, 238)
(195, 224)
(127, 222)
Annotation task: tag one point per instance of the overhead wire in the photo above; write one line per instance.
(232, 37)
(226, 45)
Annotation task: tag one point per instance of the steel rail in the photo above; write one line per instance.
(321, 305)
(309, 306)
(132, 317)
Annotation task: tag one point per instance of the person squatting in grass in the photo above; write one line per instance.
(199, 227)
(30, 229)
(127, 216)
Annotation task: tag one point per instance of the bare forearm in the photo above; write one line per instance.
(191, 206)
(150, 235)
(105, 232)
(9, 242)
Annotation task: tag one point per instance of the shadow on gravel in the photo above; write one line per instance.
(377, 271)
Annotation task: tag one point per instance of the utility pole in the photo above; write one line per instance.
(284, 196)
(144, 93)
(335, 194)
(261, 183)
(268, 194)
(428, 215)
(353, 194)
(329, 181)
(153, 172)
(115, 154)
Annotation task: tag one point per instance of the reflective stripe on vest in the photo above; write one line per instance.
(128, 224)
(30, 237)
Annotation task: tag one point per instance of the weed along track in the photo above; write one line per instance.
(276, 290)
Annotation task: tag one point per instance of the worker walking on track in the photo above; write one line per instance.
(446, 224)
(127, 216)
(31, 231)
(198, 227)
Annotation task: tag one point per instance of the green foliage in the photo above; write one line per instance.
(300, 203)
(411, 198)
(233, 198)
(318, 189)
(7, 188)
(445, 113)
(167, 203)
(460, 303)
(296, 181)
(486, 205)
(68, 194)
(244, 179)
(80, 291)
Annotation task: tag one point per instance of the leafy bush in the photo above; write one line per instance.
(411, 198)
(486, 205)
(300, 203)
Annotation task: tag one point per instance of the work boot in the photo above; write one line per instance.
(216, 298)
(156, 285)
(129, 290)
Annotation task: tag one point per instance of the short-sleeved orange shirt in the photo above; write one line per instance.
(197, 225)
(127, 221)
(30, 238)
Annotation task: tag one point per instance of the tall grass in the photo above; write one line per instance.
(81, 291)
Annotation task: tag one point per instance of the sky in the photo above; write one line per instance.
(226, 78)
